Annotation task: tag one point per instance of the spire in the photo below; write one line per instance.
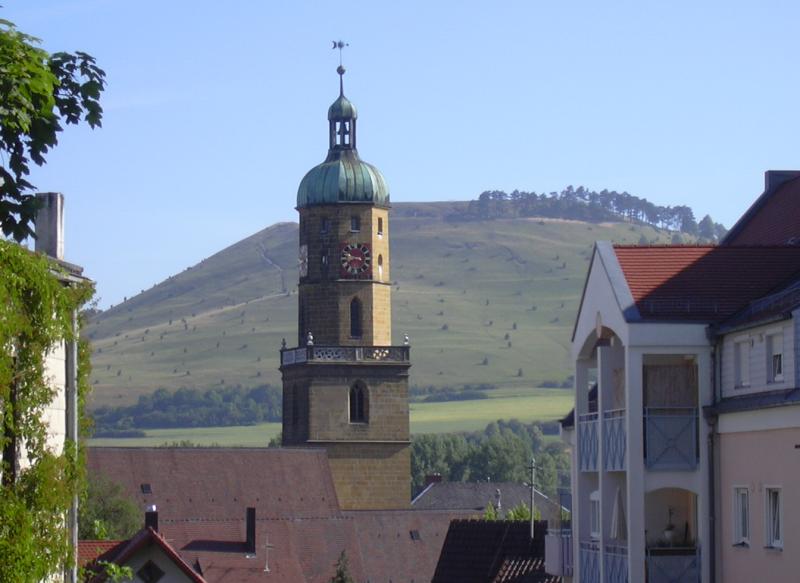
(342, 114)
(340, 44)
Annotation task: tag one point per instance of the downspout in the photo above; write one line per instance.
(716, 360)
(72, 435)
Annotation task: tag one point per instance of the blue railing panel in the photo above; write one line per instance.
(675, 567)
(590, 562)
(614, 440)
(615, 563)
(671, 438)
(588, 442)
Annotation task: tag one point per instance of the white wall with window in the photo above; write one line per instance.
(758, 359)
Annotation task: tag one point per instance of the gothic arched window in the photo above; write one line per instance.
(359, 403)
(355, 318)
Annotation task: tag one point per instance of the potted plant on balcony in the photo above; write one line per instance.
(669, 531)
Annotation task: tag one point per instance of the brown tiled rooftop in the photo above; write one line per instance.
(703, 283)
(218, 483)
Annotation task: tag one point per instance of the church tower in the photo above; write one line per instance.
(345, 387)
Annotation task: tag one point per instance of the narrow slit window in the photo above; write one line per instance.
(380, 226)
(741, 516)
(358, 403)
(774, 526)
(380, 267)
(355, 318)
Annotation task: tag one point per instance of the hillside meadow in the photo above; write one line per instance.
(482, 302)
(525, 404)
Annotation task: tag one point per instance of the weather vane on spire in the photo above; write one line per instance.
(340, 44)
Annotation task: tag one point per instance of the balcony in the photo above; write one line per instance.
(615, 563)
(328, 354)
(558, 552)
(590, 562)
(673, 565)
(588, 443)
(671, 438)
(614, 440)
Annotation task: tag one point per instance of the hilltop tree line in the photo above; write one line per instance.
(221, 406)
(588, 205)
(500, 453)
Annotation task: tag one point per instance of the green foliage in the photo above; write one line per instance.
(500, 453)
(115, 573)
(38, 92)
(35, 317)
(579, 204)
(216, 407)
(342, 570)
(521, 512)
(276, 441)
(107, 513)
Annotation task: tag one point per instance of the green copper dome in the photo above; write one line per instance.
(343, 177)
(342, 108)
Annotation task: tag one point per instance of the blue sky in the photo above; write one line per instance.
(215, 110)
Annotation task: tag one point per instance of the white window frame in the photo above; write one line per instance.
(741, 361)
(741, 536)
(770, 337)
(771, 541)
(594, 515)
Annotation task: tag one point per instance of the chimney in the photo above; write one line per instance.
(775, 178)
(49, 224)
(250, 526)
(151, 518)
(433, 478)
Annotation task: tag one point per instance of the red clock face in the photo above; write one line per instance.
(356, 260)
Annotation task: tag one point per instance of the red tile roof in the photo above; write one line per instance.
(703, 283)
(92, 550)
(120, 552)
(219, 483)
(201, 495)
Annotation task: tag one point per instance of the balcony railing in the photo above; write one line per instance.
(558, 552)
(399, 354)
(671, 438)
(590, 562)
(588, 443)
(673, 565)
(615, 563)
(614, 440)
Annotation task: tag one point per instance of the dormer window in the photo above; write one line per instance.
(741, 361)
(775, 357)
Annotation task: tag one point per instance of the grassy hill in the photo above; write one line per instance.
(480, 300)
